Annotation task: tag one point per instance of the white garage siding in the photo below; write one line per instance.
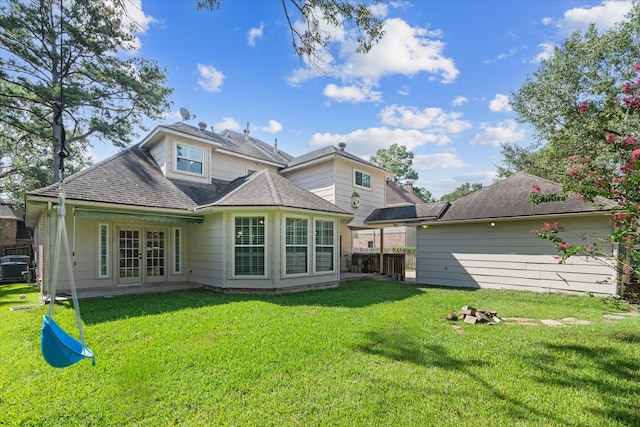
(509, 256)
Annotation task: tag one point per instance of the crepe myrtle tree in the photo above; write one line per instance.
(614, 185)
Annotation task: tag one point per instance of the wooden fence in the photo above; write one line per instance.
(392, 264)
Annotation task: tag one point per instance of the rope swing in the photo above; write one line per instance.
(59, 348)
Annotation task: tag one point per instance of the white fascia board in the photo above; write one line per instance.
(160, 130)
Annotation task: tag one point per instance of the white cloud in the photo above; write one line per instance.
(459, 100)
(133, 21)
(210, 78)
(604, 16)
(546, 50)
(425, 162)
(433, 119)
(353, 93)
(404, 90)
(403, 50)
(365, 142)
(505, 132)
(274, 127)
(500, 104)
(226, 123)
(255, 33)
(511, 52)
(379, 10)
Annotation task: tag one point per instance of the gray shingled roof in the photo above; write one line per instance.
(267, 188)
(130, 177)
(253, 147)
(419, 212)
(9, 212)
(397, 194)
(326, 152)
(510, 198)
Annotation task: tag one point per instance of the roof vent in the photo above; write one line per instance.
(275, 146)
(342, 145)
(203, 126)
(246, 132)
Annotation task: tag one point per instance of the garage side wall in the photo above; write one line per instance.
(509, 256)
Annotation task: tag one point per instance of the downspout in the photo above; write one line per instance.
(381, 252)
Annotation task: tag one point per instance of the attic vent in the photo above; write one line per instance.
(203, 126)
(342, 145)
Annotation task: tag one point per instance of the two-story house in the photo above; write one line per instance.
(224, 209)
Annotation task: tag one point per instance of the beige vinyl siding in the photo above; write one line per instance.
(318, 179)
(159, 154)
(205, 249)
(85, 257)
(228, 167)
(508, 256)
(370, 198)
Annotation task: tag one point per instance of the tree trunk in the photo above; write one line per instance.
(626, 266)
(58, 133)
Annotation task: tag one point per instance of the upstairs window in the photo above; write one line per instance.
(362, 179)
(189, 159)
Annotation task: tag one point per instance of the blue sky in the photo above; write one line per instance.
(438, 83)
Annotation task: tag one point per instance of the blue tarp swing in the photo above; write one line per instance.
(58, 347)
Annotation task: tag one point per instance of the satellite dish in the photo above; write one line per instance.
(186, 115)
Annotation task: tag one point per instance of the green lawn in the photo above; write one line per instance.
(370, 353)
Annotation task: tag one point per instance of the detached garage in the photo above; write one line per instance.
(485, 240)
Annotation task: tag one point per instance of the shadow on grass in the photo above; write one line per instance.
(352, 294)
(401, 347)
(9, 293)
(562, 365)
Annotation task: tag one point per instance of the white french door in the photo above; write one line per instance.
(142, 255)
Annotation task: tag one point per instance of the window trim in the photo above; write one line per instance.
(178, 249)
(334, 247)
(265, 246)
(190, 146)
(355, 172)
(107, 251)
(307, 246)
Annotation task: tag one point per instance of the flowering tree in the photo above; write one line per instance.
(613, 184)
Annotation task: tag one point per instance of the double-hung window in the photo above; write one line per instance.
(362, 179)
(249, 246)
(189, 159)
(324, 245)
(296, 245)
